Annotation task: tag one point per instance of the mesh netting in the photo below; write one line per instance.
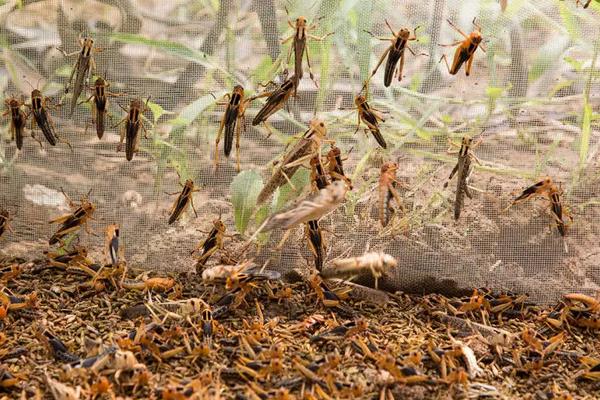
(533, 94)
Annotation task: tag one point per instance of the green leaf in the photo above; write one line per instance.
(286, 193)
(157, 111)
(576, 64)
(244, 188)
(174, 48)
(494, 92)
(424, 134)
(194, 109)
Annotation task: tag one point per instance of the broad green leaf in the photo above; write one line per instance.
(244, 188)
(300, 180)
(174, 48)
(157, 111)
(190, 112)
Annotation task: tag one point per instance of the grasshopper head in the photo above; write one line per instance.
(404, 33)
(300, 22)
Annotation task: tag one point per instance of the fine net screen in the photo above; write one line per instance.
(531, 100)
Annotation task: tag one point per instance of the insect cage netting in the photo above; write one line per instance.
(532, 97)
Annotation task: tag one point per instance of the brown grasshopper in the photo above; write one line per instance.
(319, 180)
(584, 3)
(100, 104)
(4, 221)
(131, 129)
(370, 117)
(465, 52)
(112, 244)
(299, 38)
(210, 245)
(463, 170)
(318, 176)
(316, 243)
(387, 191)
(83, 68)
(548, 190)
(233, 122)
(41, 117)
(335, 167)
(184, 200)
(73, 221)
(276, 100)
(394, 53)
(18, 120)
(307, 147)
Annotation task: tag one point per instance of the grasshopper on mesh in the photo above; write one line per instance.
(316, 243)
(463, 170)
(548, 190)
(112, 245)
(335, 166)
(299, 40)
(233, 123)
(41, 117)
(307, 147)
(99, 98)
(388, 192)
(371, 117)
(210, 245)
(276, 100)
(73, 221)
(132, 123)
(465, 52)
(18, 120)
(395, 52)
(184, 200)
(4, 221)
(83, 69)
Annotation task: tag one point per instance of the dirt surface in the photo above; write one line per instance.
(104, 337)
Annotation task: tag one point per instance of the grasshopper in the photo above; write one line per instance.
(73, 221)
(307, 147)
(548, 190)
(299, 38)
(335, 166)
(131, 128)
(312, 208)
(584, 3)
(41, 117)
(184, 200)
(463, 170)
(83, 68)
(395, 52)
(210, 245)
(112, 244)
(465, 52)
(233, 121)
(370, 117)
(315, 242)
(319, 178)
(18, 120)
(387, 192)
(276, 100)
(4, 221)
(100, 104)
(378, 263)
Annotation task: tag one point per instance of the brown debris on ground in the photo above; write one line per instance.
(66, 336)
